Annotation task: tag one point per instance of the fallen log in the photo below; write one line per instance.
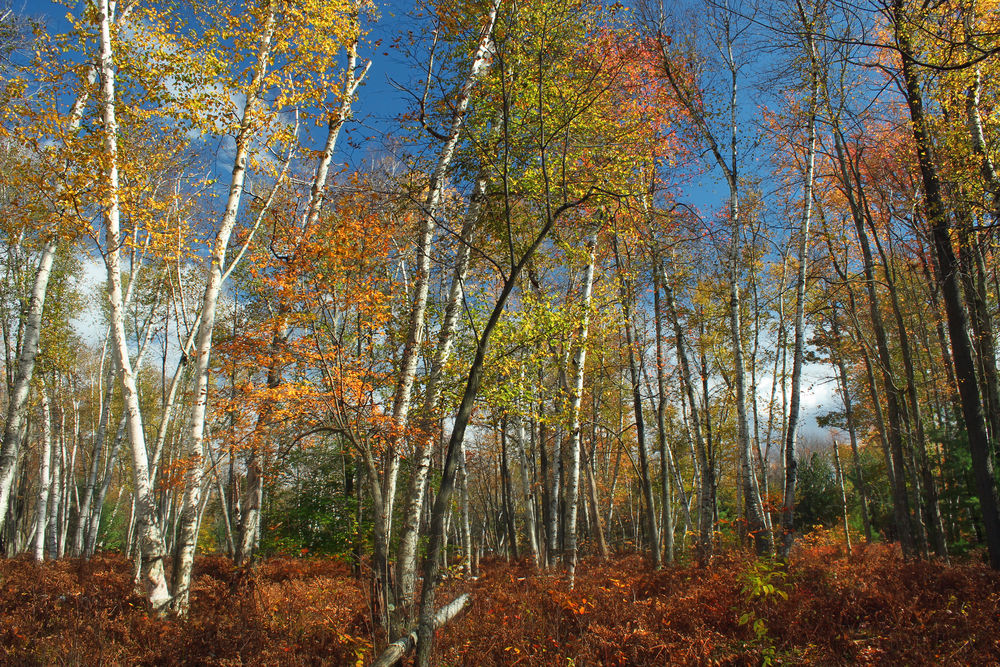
(397, 650)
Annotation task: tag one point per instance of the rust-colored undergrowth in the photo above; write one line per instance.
(871, 608)
(288, 612)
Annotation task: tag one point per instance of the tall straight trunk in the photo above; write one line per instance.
(249, 529)
(706, 489)
(981, 322)
(544, 482)
(652, 534)
(100, 491)
(661, 423)
(507, 492)
(83, 512)
(528, 491)
(18, 401)
(845, 395)
(974, 121)
(791, 463)
(150, 540)
(465, 528)
(552, 533)
(931, 509)
(406, 561)
(958, 329)
(753, 510)
(575, 399)
(980, 319)
(188, 535)
(843, 494)
(595, 501)
(44, 459)
(728, 164)
(985, 337)
(71, 492)
(55, 497)
(901, 504)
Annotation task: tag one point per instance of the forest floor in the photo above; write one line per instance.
(826, 608)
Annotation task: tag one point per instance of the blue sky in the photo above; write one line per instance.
(385, 97)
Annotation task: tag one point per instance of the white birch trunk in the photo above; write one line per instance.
(55, 491)
(406, 563)
(528, 492)
(44, 458)
(188, 532)
(411, 351)
(17, 407)
(706, 485)
(576, 396)
(151, 542)
(336, 122)
(791, 464)
(100, 492)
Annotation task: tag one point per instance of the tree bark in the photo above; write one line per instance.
(411, 350)
(706, 489)
(18, 395)
(845, 394)
(188, 536)
(843, 494)
(901, 503)
(652, 534)
(791, 463)
(397, 650)
(462, 417)
(965, 373)
(666, 457)
(406, 561)
(575, 399)
(44, 459)
(150, 539)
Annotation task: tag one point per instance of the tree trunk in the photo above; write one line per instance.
(150, 540)
(44, 459)
(506, 492)
(791, 463)
(661, 424)
(188, 536)
(652, 534)
(901, 503)
(843, 494)
(406, 561)
(575, 399)
(706, 489)
(968, 385)
(397, 650)
(528, 490)
(18, 393)
(411, 351)
(845, 394)
(462, 418)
